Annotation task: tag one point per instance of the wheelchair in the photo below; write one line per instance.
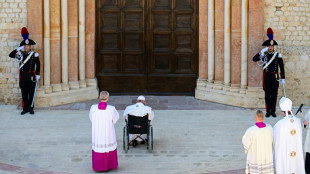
(138, 125)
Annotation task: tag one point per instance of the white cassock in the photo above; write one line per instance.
(287, 142)
(103, 131)
(307, 140)
(139, 110)
(257, 144)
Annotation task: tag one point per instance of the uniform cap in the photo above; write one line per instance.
(25, 35)
(270, 40)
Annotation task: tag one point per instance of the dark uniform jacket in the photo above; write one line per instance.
(273, 66)
(32, 65)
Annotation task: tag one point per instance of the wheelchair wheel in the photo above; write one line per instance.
(125, 139)
(150, 140)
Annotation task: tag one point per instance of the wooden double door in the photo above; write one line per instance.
(147, 46)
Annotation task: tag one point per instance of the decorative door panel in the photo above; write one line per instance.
(120, 48)
(173, 46)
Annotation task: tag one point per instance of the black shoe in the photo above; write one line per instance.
(267, 114)
(23, 112)
(134, 143)
(143, 142)
(31, 111)
(273, 115)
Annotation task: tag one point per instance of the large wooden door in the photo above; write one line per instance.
(147, 46)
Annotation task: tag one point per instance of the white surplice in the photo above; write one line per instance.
(139, 110)
(257, 144)
(287, 143)
(103, 131)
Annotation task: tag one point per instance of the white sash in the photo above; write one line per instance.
(273, 57)
(26, 60)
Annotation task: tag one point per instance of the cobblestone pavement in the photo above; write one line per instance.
(58, 139)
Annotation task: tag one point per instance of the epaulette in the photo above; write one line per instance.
(279, 55)
(36, 54)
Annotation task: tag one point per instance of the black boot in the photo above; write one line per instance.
(273, 115)
(23, 112)
(31, 111)
(267, 114)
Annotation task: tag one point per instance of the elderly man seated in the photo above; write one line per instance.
(139, 109)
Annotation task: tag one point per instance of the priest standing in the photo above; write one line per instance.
(104, 145)
(287, 141)
(257, 142)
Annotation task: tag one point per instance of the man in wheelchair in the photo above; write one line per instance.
(138, 110)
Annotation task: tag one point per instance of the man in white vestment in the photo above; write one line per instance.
(104, 145)
(139, 109)
(257, 142)
(287, 141)
(307, 142)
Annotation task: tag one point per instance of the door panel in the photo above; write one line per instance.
(173, 46)
(147, 46)
(120, 51)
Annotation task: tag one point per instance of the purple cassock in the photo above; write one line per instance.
(104, 161)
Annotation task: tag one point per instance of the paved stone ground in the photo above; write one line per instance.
(156, 102)
(58, 139)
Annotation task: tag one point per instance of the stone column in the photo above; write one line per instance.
(235, 42)
(210, 41)
(235, 45)
(73, 25)
(256, 35)
(46, 33)
(82, 43)
(203, 41)
(90, 43)
(219, 42)
(64, 44)
(55, 45)
(35, 28)
(244, 44)
(60, 23)
(227, 43)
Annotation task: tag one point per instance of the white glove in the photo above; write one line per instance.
(262, 52)
(283, 81)
(37, 77)
(19, 55)
(21, 48)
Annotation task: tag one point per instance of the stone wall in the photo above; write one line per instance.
(290, 20)
(13, 16)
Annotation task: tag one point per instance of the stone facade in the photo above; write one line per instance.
(288, 18)
(13, 16)
(238, 39)
(57, 85)
(290, 22)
